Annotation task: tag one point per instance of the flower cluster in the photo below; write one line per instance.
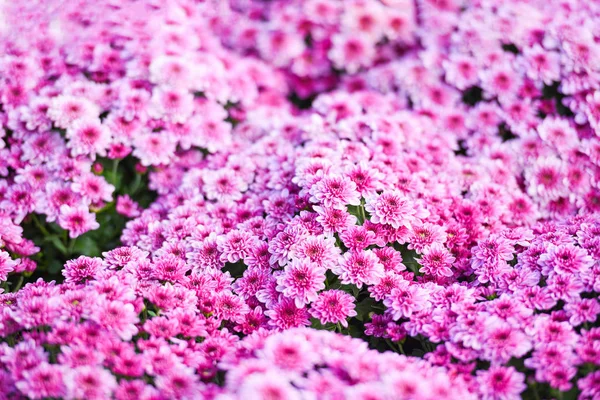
(422, 176)
(83, 116)
(291, 364)
(314, 41)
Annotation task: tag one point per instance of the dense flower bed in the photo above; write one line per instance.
(193, 193)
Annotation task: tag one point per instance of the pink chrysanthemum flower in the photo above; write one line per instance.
(501, 383)
(565, 259)
(390, 259)
(503, 341)
(235, 246)
(437, 261)
(547, 178)
(394, 209)
(492, 251)
(224, 184)
(77, 220)
(284, 315)
(352, 51)
(94, 188)
(501, 81)
(65, 110)
(270, 385)
(154, 148)
(90, 382)
(359, 267)
(280, 46)
(358, 238)
(333, 219)
(283, 244)
(425, 235)
(7, 265)
(127, 206)
(171, 71)
(121, 256)
(170, 268)
(290, 353)
(384, 287)
(559, 133)
(333, 306)
(88, 137)
(318, 250)
(117, 316)
(583, 310)
(300, 281)
(43, 381)
(461, 71)
(19, 201)
(590, 385)
(366, 178)
(334, 192)
(171, 104)
(406, 299)
(82, 269)
(542, 64)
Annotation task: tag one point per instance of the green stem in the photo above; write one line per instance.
(401, 348)
(363, 216)
(136, 184)
(71, 247)
(114, 172)
(392, 346)
(39, 225)
(19, 283)
(107, 206)
(535, 391)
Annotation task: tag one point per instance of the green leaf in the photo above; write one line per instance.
(363, 308)
(355, 331)
(57, 243)
(351, 289)
(87, 245)
(54, 266)
(235, 269)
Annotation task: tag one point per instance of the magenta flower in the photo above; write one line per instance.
(290, 353)
(77, 220)
(127, 206)
(89, 137)
(90, 382)
(405, 300)
(333, 306)
(45, 380)
(118, 317)
(300, 281)
(501, 383)
(394, 209)
(359, 267)
(285, 314)
(82, 269)
(565, 259)
(437, 261)
(7, 265)
(335, 191)
(319, 250)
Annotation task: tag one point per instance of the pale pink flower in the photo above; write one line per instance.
(301, 280)
(77, 220)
